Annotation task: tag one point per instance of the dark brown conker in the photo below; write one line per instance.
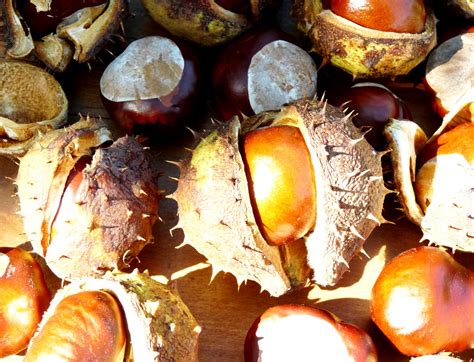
(261, 71)
(153, 88)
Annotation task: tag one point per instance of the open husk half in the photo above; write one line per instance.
(31, 102)
(360, 51)
(80, 36)
(204, 22)
(113, 212)
(216, 215)
(160, 326)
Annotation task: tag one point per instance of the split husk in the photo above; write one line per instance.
(113, 213)
(216, 214)
(204, 22)
(160, 326)
(31, 103)
(358, 50)
(79, 36)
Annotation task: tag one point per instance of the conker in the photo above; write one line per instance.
(422, 301)
(153, 87)
(302, 333)
(236, 6)
(401, 16)
(88, 326)
(281, 182)
(261, 71)
(24, 299)
(42, 22)
(374, 105)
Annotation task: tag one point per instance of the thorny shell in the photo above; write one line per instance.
(204, 22)
(79, 36)
(31, 102)
(358, 50)
(114, 210)
(216, 215)
(447, 219)
(160, 326)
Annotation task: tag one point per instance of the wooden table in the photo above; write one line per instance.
(224, 311)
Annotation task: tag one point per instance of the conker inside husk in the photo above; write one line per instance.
(349, 199)
(104, 216)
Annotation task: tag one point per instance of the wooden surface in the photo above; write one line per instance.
(224, 311)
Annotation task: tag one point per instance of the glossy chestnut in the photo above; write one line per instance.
(302, 333)
(261, 71)
(373, 105)
(24, 298)
(400, 16)
(87, 326)
(422, 301)
(281, 182)
(154, 87)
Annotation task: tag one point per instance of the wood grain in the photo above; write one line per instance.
(224, 310)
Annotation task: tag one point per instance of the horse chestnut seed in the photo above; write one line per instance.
(281, 182)
(87, 326)
(374, 106)
(153, 87)
(303, 333)
(400, 16)
(261, 71)
(24, 299)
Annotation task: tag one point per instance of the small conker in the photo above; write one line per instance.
(281, 182)
(24, 299)
(261, 71)
(422, 301)
(374, 105)
(303, 333)
(401, 16)
(87, 326)
(153, 87)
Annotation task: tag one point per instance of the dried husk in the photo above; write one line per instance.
(203, 22)
(83, 33)
(115, 209)
(358, 50)
(31, 102)
(216, 215)
(160, 326)
(446, 219)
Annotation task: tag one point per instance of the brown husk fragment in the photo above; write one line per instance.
(217, 217)
(203, 22)
(160, 326)
(84, 33)
(31, 102)
(360, 51)
(114, 211)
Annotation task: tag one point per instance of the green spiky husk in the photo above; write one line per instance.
(360, 51)
(216, 214)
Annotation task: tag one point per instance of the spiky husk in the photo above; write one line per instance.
(160, 326)
(217, 217)
(203, 22)
(115, 209)
(360, 51)
(83, 33)
(31, 102)
(447, 218)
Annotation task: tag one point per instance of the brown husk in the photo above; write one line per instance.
(31, 102)
(114, 212)
(216, 215)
